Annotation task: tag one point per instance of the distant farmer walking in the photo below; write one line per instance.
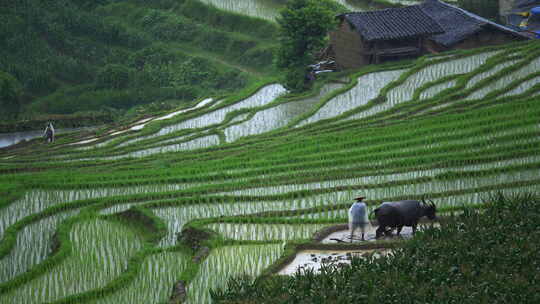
(358, 217)
(49, 133)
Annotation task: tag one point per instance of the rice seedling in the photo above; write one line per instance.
(33, 245)
(496, 69)
(197, 143)
(436, 57)
(331, 214)
(404, 92)
(134, 140)
(523, 87)
(227, 262)
(239, 118)
(532, 67)
(101, 250)
(371, 183)
(266, 232)
(201, 104)
(368, 87)
(177, 217)
(278, 116)
(94, 146)
(315, 259)
(466, 182)
(434, 90)
(260, 98)
(174, 139)
(154, 283)
(36, 201)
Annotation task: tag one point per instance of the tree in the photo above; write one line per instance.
(304, 25)
(486, 8)
(113, 76)
(10, 91)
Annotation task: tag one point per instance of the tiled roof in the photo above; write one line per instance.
(394, 23)
(458, 24)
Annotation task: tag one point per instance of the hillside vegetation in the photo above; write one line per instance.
(77, 56)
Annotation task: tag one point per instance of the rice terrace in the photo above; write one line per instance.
(209, 200)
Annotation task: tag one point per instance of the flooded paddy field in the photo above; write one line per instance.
(259, 172)
(307, 260)
(315, 259)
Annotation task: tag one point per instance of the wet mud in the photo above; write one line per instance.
(316, 259)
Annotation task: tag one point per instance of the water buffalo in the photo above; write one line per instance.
(402, 213)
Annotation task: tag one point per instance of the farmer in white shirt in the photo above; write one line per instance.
(49, 133)
(358, 217)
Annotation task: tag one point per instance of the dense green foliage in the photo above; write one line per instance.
(304, 25)
(10, 96)
(71, 56)
(488, 257)
(485, 8)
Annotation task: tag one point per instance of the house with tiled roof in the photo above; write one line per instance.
(465, 30)
(396, 33)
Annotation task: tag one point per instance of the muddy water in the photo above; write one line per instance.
(344, 235)
(315, 259)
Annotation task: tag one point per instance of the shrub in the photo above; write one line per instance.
(113, 76)
(485, 8)
(303, 28)
(10, 92)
